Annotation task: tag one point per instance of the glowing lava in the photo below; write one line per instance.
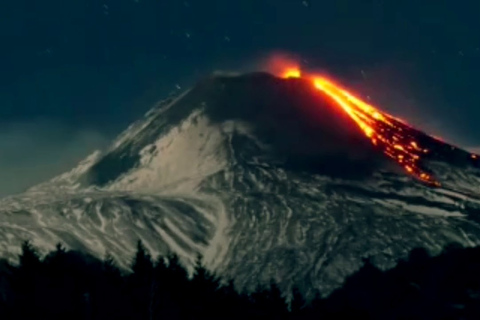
(383, 130)
(292, 73)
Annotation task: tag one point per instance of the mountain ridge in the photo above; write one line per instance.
(263, 176)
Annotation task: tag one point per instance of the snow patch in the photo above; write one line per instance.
(181, 158)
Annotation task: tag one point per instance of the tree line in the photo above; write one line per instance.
(68, 284)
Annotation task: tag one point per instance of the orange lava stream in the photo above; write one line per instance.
(383, 130)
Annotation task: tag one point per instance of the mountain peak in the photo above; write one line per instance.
(297, 122)
(267, 177)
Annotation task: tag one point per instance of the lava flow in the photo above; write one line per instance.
(383, 130)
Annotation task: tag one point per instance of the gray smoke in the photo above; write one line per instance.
(32, 152)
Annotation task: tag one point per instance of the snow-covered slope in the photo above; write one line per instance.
(263, 177)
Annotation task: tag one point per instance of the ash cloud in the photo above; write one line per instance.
(34, 151)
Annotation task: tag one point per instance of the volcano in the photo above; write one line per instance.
(269, 179)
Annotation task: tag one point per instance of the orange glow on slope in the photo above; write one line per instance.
(292, 73)
(284, 65)
(383, 130)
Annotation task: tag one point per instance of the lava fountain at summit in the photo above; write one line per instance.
(388, 133)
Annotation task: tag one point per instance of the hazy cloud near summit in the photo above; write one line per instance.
(474, 149)
(35, 151)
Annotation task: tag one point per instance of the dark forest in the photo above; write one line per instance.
(70, 285)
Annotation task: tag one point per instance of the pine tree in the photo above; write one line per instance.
(173, 288)
(204, 294)
(27, 280)
(29, 258)
(142, 283)
(298, 302)
(110, 268)
(142, 263)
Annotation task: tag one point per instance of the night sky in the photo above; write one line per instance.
(74, 73)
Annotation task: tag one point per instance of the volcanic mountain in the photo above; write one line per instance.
(270, 179)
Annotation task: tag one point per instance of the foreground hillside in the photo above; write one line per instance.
(70, 285)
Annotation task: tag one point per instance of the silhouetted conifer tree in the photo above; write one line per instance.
(29, 258)
(110, 268)
(174, 287)
(268, 301)
(203, 291)
(27, 280)
(70, 285)
(6, 299)
(229, 299)
(142, 283)
(59, 300)
(142, 264)
(298, 301)
(107, 297)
